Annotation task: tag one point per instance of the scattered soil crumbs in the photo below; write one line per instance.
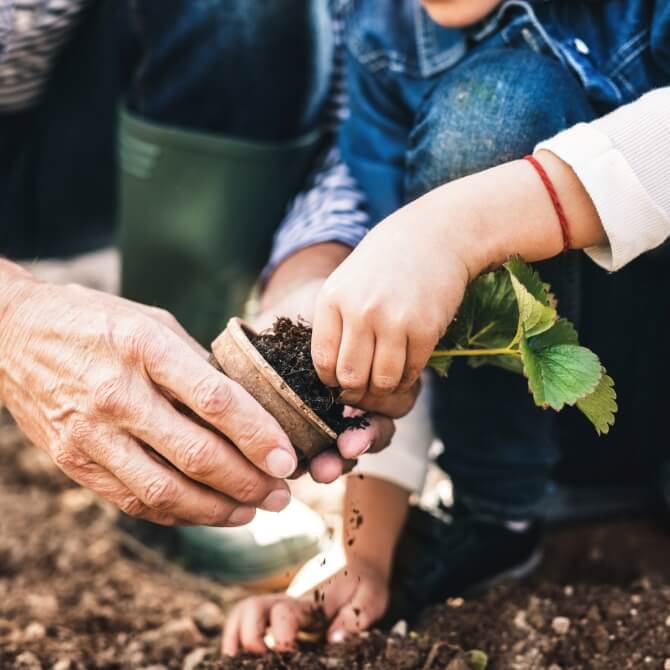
(288, 349)
(78, 594)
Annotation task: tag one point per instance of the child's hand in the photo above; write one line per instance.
(381, 313)
(352, 600)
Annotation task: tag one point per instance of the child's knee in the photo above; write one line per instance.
(493, 108)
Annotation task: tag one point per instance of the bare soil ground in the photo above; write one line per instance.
(76, 592)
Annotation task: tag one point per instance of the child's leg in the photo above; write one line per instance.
(495, 107)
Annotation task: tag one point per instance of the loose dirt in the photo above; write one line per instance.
(78, 593)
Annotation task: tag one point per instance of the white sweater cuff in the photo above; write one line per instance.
(405, 461)
(622, 161)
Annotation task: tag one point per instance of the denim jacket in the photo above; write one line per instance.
(618, 49)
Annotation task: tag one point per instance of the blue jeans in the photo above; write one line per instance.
(251, 70)
(501, 451)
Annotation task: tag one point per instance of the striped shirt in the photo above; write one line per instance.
(331, 208)
(31, 34)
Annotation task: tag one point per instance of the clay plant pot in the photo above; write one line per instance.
(241, 362)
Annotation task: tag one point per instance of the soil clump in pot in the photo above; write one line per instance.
(287, 347)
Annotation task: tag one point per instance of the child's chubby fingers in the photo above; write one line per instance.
(389, 360)
(253, 625)
(354, 361)
(230, 642)
(246, 625)
(367, 606)
(420, 346)
(287, 617)
(326, 336)
(394, 406)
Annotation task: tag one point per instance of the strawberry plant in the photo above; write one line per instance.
(508, 318)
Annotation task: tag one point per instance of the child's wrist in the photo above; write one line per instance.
(380, 564)
(509, 213)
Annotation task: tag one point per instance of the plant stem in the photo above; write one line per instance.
(448, 353)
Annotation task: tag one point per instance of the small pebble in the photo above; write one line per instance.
(400, 628)
(636, 599)
(28, 661)
(555, 667)
(568, 591)
(34, 631)
(666, 665)
(208, 618)
(601, 640)
(561, 625)
(520, 620)
(455, 602)
(195, 658)
(63, 664)
(667, 621)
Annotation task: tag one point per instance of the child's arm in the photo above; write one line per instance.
(354, 597)
(381, 313)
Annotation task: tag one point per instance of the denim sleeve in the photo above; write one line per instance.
(374, 139)
(660, 35)
(330, 209)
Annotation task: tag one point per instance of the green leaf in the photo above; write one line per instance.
(440, 364)
(600, 406)
(562, 332)
(509, 363)
(536, 310)
(488, 316)
(559, 374)
(530, 279)
(477, 659)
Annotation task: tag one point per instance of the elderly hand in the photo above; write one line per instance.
(96, 382)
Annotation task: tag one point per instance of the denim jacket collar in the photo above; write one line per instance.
(617, 48)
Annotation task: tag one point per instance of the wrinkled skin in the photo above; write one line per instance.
(94, 381)
(100, 384)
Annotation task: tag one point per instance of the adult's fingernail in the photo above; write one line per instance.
(241, 515)
(337, 636)
(276, 500)
(280, 463)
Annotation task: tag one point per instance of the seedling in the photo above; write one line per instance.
(508, 318)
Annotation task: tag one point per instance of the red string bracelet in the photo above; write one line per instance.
(562, 219)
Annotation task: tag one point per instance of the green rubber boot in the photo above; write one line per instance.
(197, 216)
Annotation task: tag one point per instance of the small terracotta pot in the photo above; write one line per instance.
(241, 361)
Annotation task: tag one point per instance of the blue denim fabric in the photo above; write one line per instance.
(616, 50)
(257, 70)
(431, 105)
(253, 70)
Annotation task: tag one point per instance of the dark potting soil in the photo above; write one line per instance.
(287, 347)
